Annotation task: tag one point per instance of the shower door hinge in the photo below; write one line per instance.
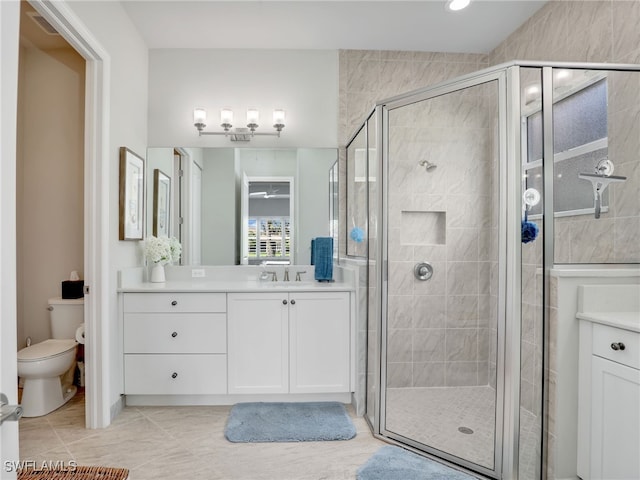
(181, 173)
(85, 289)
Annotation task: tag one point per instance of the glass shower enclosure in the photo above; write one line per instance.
(450, 199)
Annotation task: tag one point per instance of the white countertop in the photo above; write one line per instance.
(624, 320)
(208, 286)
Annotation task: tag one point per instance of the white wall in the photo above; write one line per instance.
(313, 198)
(126, 92)
(302, 82)
(219, 216)
(50, 183)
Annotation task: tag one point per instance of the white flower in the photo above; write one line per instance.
(161, 249)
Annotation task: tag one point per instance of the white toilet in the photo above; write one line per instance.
(47, 367)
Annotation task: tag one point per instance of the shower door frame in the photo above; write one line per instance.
(508, 189)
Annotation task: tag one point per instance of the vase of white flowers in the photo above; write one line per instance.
(158, 251)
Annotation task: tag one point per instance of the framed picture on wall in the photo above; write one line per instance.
(131, 195)
(161, 203)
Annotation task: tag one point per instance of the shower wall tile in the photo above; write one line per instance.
(462, 311)
(625, 19)
(400, 310)
(462, 278)
(458, 374)
(626, 237)
(626, 198)
(399, 343)
(462, 245)
(399, 375)
(429, 345)
(429, 374)
(428, 311)
(462, 344)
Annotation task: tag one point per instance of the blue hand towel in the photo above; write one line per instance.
(322, 248)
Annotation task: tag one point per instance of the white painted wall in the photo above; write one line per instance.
(50, 182)
(312, 210)
(219, 215)
(126, 92)
(9, 21)
(302, 82)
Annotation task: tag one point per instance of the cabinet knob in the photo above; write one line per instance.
(293, 302)
(284, 302)
(618, 346)
(174, 303)
(174, 334)
(174, 375)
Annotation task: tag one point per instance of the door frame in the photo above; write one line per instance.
(96, 200)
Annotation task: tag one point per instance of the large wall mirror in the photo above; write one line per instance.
(228, 204)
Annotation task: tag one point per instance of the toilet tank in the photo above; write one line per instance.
(65, 316)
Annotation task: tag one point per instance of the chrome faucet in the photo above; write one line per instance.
(298, 275)
(286, 275)
(274, 276)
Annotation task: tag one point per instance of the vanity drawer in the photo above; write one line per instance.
(175, 333)
(175, 374)
(175, 302)
(606, 337)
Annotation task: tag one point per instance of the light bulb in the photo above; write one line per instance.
(226, 116)
(199, 116)
(456, 5)
(278, 117)
(252, 116)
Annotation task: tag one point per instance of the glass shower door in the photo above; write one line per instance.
(440, 331)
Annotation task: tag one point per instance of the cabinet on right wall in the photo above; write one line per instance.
(289, 342)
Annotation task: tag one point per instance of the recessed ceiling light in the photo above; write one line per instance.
(456, 5)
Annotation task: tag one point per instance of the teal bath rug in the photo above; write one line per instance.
(395, 463)
(288, 422)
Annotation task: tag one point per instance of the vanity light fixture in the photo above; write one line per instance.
(238, 134)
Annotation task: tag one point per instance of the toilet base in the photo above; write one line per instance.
(41, 396)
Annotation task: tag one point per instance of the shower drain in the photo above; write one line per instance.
(465, 430)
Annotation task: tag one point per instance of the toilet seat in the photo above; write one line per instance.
(48, 349)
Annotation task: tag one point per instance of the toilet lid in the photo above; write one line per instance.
(47, 349)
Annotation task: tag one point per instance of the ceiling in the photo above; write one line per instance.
(328, 24)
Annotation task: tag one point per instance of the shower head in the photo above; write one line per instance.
(427, 165)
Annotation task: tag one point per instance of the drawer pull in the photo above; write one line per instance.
(174, 303)
(618, 346)
(284, 302)
(174, 334)
(293, 302)
(174, 375)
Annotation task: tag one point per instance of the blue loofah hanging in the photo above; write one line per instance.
(529, 231)
(357, 234)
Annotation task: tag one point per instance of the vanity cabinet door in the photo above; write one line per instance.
(615, 420)
(319, 334)
(258, 349)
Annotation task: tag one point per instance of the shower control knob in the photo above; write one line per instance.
(423, 271)
(174, 375)
(174, 334)
(174, 303)
(618, 346)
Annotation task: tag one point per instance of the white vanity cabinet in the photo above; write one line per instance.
(609, 401)
(296, 342)
(174, 343)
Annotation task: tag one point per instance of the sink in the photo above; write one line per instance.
(287, 285)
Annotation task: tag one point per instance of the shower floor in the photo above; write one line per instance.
(433, 416)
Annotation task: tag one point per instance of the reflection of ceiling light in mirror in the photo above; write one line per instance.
(531, 94)
(562, 74)
(457, 5)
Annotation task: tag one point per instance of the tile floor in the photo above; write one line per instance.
(187, 443)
